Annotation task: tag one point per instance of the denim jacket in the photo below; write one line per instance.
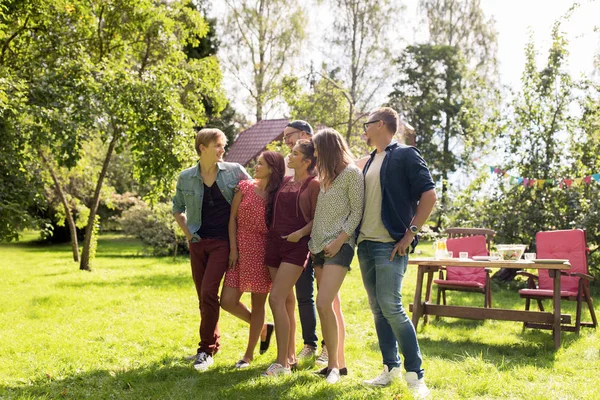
(190, 190)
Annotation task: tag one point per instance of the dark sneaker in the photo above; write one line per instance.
(203, 361)
(323, 372)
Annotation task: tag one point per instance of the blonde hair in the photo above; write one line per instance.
(333, 154)
(207, 136)
(389, 116)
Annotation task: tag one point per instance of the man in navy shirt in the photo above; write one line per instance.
(399, 196)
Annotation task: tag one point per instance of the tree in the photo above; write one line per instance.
(122, 77)
(323, 104)
(546, 142)
(446, 89)
(361, 52)
(20, 186)
(462, 24)
(433, 94)
(263, 36)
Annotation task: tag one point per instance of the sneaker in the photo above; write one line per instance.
(333, 376)
(307, 351)
(242, 364)
(323, 358)
(203, 361)
(416, 386)
(277, 369)
(323, 372)
(385, 378)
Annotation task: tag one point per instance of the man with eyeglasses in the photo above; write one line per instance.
(294, 131)
(399, 196)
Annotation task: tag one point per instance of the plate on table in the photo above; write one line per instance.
(549, 261)
(486, 258)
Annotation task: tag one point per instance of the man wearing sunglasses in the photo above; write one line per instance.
(399, 196)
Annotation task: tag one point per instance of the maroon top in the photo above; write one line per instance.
(294, 205)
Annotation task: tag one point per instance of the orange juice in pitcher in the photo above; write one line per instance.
(440, 249)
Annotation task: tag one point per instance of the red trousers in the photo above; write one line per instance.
(209, 258)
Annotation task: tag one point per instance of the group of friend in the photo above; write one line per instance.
(299, 217)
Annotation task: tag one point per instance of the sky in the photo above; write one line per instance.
(514, 21)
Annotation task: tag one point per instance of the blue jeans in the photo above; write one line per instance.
(305, 286)
(383, 282)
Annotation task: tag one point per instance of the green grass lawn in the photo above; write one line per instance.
(123, 332)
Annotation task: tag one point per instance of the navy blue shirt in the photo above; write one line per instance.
(404, 178)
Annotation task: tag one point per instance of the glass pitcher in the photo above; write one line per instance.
(440, 249)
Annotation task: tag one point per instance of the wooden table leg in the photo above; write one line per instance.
(556, 308)
(428, 292)
(417, 305)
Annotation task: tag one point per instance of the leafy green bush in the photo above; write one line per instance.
(155, 227)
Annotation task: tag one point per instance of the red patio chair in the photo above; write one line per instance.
(574, 283)
(466, 279)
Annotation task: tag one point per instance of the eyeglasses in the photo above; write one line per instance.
(287, 135)
(366, 124)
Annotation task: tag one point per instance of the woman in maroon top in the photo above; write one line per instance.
(287, 248)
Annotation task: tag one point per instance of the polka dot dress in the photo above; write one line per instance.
(250, 273)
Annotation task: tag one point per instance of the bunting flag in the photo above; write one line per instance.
(540, 183)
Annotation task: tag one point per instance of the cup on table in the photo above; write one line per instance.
(450, 254)
(463, 254)
(530, 256)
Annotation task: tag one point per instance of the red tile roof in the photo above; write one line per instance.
(251, 142)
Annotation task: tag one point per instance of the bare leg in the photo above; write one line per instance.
(230, 302)
(283, 279)
(257, 321)
(329, 282)
(337, 308)
(290, 306)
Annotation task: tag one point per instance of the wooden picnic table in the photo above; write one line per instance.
(430, 265)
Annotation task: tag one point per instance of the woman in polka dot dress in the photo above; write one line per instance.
(247, 238)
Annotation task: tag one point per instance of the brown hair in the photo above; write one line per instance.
(389, 116)
(207, 136)
(276, 162)
(334, 155)
(307, 148)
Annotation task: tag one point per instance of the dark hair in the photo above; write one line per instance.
(307, 148)
(334, 155)
(276, 162)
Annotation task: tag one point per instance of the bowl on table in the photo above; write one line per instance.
(511, 252)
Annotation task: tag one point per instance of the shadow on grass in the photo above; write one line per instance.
(156, 280)
(175, 379)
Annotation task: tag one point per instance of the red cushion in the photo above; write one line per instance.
(565, 244)
(546, 293)
(475, 246)
(443, 282)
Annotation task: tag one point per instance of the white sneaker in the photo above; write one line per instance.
(385, 378)
(277, 369)
(323, 358)
(333, 376)
(307, 352)
(416, 386)
(203, 361)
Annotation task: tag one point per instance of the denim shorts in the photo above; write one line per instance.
(343, 257)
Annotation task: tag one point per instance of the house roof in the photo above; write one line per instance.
(251, 142)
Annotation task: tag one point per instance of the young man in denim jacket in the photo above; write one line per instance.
(201, 207)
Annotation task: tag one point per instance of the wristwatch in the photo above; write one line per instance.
(414, 229)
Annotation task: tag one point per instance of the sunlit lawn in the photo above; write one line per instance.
(123, 332)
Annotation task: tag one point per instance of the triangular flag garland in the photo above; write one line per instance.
(540, 183)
